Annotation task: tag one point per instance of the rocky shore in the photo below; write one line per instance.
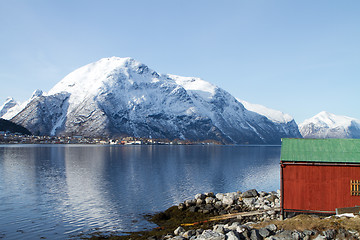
(250, 215)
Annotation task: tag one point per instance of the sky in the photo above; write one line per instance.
(299, 57)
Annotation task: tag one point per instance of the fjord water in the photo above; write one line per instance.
(61, 191)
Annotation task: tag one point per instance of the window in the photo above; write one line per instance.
(354, 187)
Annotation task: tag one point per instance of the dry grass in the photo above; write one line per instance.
(303, 222)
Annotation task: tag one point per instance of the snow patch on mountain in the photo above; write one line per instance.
(328, 125)
(273, 115)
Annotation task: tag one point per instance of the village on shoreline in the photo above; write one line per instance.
(17, 138)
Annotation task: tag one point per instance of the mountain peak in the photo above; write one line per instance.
(37, 93)
(123, 97)
(329, 125)
(9, 103)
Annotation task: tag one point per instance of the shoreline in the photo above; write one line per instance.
(235, 216)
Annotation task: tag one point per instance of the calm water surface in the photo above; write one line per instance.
(61, 191)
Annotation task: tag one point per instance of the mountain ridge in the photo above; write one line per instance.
(123, 97)
(329, 125)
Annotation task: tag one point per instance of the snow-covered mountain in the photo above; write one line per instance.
(285, 121)
(10, 103)
(123, 97)
(328, 125)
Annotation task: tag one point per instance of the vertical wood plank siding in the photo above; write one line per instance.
(320, 187)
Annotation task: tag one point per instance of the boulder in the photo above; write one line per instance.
(254, 235)
(272, 198)
(219, 228)
(199, 201)
(284, 235)
(193, 208)
(297, 235)
(329, 234)
(177, 238)
(211, 235)
(200, 196)
(189, 234)
(210, 194)
(209, 200)
(249, 202)
(271, 227)
(250, 193)
(264, 232)
(179, 230)
(320, 237)
(189, 203)
(181, 206)
(233, 226)
(218, 204)
(220, 196)
(227, 200)
(232, 235)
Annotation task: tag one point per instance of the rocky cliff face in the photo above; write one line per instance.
(123, 97)
(328, 125)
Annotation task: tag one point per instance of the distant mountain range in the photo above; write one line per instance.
(328, 125)
(123, 97)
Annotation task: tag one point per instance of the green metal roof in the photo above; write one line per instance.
(320, 150)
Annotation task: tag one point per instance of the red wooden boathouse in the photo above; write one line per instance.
(319, 175)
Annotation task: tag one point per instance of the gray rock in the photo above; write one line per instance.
(264, 232)
(309, 232)
(284, 235)
(181, 206)
(209, 200)
(199, 231)
(271, 227)
(307, 237)
(250, 193)
(218, 204)
(219, 228)
(297, 235)
(232, 235)
(211, 235)
(255, 235)
(272, 198)
(189, 234)
(245, 235)
(200, 196)
(249, 202)
(220, 196)
(341, 234)
(177, 238)
(241, 229)
(193, 208)
(199, 201)
(234, 226)
(179, 230)
(189, 203)
(320, 237)
(227, 200)
(210, 194)
(329, 234)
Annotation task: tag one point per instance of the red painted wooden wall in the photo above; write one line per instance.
(318, 187)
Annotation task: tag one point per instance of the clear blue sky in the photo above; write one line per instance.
(300, 57)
